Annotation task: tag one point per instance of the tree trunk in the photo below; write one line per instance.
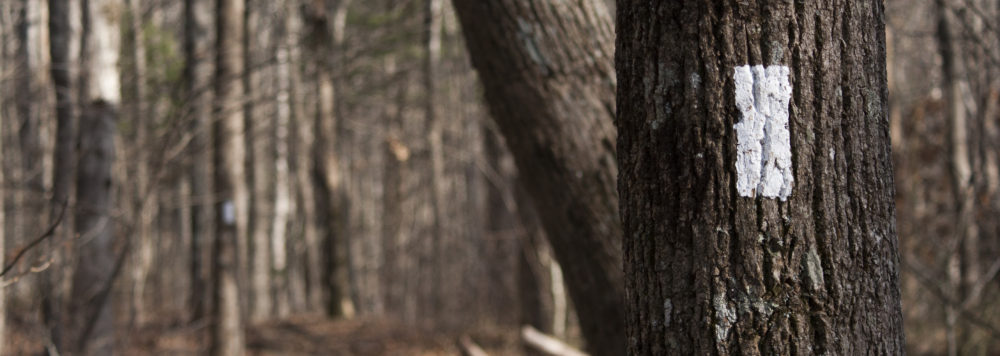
(91, 317)
(4, 10)
(65, 26)
(90, 310)
(145, 201)
(228, 179)
(432, 57)
(258, 117)
(756, 187)
(548, 77)
(961, 265)
(283, 203)
(197, 78)
(326, 24)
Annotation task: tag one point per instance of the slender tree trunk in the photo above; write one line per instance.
(65, 30)
(197, 78)
(283, 203)
(960, 265)
(4, 10)
(144, 203)
(548, 77)
(432, 57)
(259, 126)
(228, 178)
(756, 187)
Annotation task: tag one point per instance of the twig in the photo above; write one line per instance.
(965, 313)
(547, 344)
(51, 230)
(469, 347)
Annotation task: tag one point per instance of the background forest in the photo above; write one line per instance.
(369, 204)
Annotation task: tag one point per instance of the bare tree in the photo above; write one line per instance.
(756, 187)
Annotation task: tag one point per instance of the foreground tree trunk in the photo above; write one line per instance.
(547, 71)
(756, 187)
(228, 154)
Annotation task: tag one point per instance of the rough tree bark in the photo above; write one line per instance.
(714, 262)
(547, 71)
(228, 179)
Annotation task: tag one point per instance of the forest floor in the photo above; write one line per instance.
(301, 336)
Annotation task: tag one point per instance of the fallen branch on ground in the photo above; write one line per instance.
(547, 344)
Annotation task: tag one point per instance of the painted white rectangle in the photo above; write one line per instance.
(764, 151)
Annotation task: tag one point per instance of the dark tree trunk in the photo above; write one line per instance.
(64, 41)
(89, 308)
(197, 78)
(714, 262)
(549, 82)
(551, 98)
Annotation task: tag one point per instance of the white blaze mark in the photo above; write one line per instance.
(228, 212)
(764, 152)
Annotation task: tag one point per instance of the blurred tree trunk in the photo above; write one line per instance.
(326, 23)
(397, 286)
(228, 158)
(197, 79)
(713, 269)
(259, 121)
(90, 309)
(144, 201)
(962, 264)
(283, 203)
(65, 30)
(432, 57)
(549, 82)
(91, 314)
(4, 10)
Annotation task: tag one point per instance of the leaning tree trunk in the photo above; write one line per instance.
(547, 71)
(756, 187)
(226, 338)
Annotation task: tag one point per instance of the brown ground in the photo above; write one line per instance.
(302, 336)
